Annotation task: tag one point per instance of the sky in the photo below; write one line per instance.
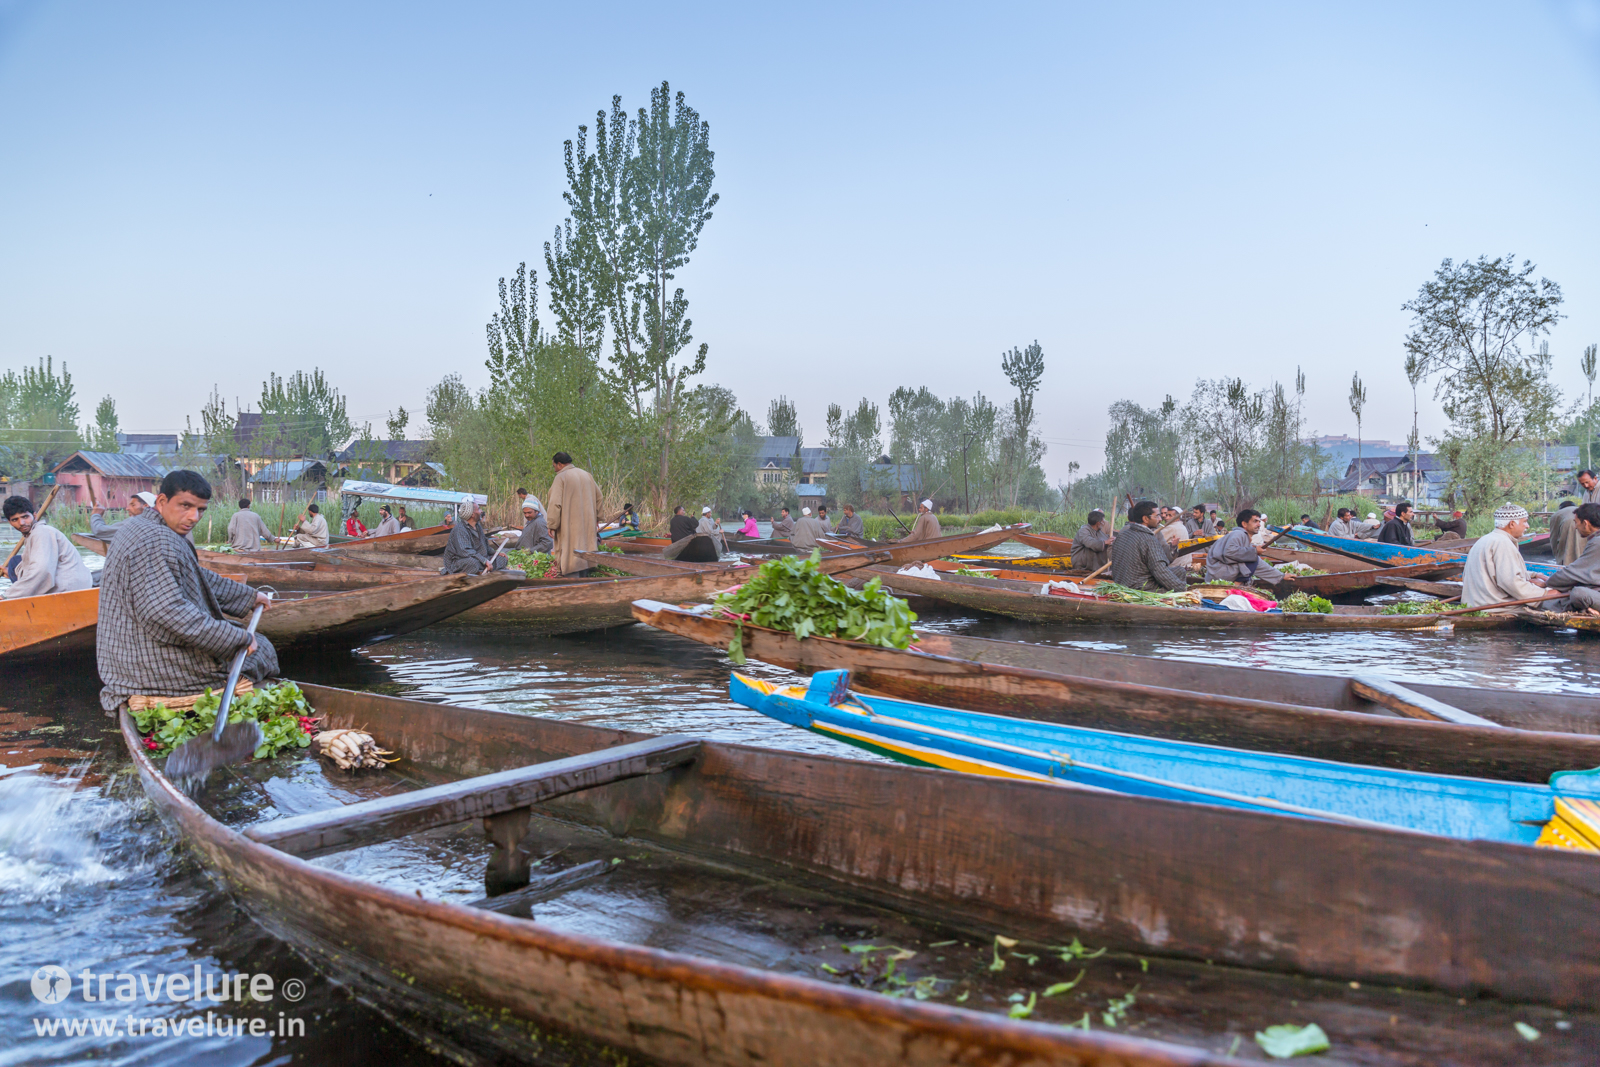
(194, 195)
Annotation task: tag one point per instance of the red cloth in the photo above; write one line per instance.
(353, 527)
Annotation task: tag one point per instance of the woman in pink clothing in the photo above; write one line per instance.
(749, 527)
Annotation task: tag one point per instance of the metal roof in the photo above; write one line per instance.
(419, 493)
(291, 471)
(109, 464)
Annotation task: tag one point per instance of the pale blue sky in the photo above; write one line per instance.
(198, 194)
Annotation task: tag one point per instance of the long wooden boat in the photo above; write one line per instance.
(1470, 809)
(324, 574)
(584, 604)
(1361, 579)
(50, 626)
(337, 622)
(964, 856)
(1385, 555)
(410, 542)
(1023, 600)
(1060, 545)
(1489, 733)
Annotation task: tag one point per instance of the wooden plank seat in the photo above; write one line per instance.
(1410, 703)
(503, 800)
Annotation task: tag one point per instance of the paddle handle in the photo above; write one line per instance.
(1098, 571)
(233, 675)
(1503, 604)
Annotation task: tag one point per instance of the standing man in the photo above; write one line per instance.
(1235, 558)
(1340, 526)
(1091, 545)
(808, 529)
(783, 525)
(162, 628)
(926, 528)
(468, 551)
(311, 529)
(1563, 533)
(50, 561)
(246, 530)
(106, 530)
(851, 525)
(535, 530)
(1397, 531)
(1495, 571)
(1138, 559)
(1580, 579)
(573, 514)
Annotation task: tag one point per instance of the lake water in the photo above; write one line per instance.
(90, 879)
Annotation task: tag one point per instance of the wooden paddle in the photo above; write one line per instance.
(896, 518)
(1503, 604)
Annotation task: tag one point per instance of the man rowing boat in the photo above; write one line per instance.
(164, 626)
(311, 529)
(137, 503)
(50, 561)
(468, 551)
(926, 528)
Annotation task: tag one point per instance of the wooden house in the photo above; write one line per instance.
(113, 476)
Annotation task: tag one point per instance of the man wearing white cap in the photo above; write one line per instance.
(106, 530)
(1495, 572)
(807, 530)
(926, 528)
(711, 528)
(1368, 530)
(535, 530)
(246, 530)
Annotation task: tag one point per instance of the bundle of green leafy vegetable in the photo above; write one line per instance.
(1124, 595)
(286, 719)
(1305, 602)
(791, 593)
(543, 565)
(1416, 607)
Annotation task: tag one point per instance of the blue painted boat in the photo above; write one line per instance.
(1385, 555)
(922, 734)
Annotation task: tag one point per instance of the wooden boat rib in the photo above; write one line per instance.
(49, 626)
(1022, 600)
(544, 987)
(1038, 861)
(1319, 716)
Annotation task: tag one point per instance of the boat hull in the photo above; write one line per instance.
(337, 622)
(52, 626)
(1386, 555)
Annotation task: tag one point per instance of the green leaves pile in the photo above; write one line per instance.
(1305, 602)
(791, 594)
(1124, 595)
(286, 719)
(1416, 607)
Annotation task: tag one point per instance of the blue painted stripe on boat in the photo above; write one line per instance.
(1392, 555)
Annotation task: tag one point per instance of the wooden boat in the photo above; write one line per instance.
(1486, 733)
(964, 855)
(1469, 809)
(1385, 555)
(1361, 579)
(582, 604)
(1023, 600)
(1060, 545)
(322, 574)
(50, 626)
(425, 542)
(337, 622)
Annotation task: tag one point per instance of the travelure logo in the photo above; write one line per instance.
(51, 984)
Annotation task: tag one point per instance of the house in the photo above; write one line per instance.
(1419, 482)
(814, 466)
(104, 479)
(292, 478)
(1371, 477)
(395, 462)
(887, 479)
(148, 444)
(775, 458)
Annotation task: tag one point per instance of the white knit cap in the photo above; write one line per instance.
(149, 498)
(705, 511)
(531, 501)
(1372, 514)
(1508, 513)
(805, 511)
(928, 504)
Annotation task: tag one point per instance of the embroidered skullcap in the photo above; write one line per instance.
(1508, 513)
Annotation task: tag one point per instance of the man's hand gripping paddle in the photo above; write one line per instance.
(226, 743)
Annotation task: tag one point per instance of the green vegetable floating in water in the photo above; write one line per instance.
(790, 594)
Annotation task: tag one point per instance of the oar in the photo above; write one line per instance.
(235, 743)
(896, 518)
(1502, 604)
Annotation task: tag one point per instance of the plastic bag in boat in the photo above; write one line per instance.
(919, 570)
(1066, 587)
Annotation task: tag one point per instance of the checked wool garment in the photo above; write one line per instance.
(162, 629)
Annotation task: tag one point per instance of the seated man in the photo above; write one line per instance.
(851, 525)
(807, 530)
(1580, 579)
(1305, 520)
(1138, 559)
(782, 526)
(1235, 557)
(681, 525)
(1456, 524)
(311, 529)
(1495, 571)
(1340, 526)
(1173, 532)
(246, 530)
(163, 630)
(106, 530)
(926, 528)
(387, 523)
(535, 530)
(1561, 533)
(1091, 545)
(1397, 530)
(50, 561)
(468, 551)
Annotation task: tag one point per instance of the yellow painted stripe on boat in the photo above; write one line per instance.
(932, 756)
(1558, 833)
(1583, 816)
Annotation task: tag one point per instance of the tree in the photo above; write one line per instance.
(783, 420)
(1358, 400)
(638, 204)
(1022, 450)
(854, 443)
(1414, 442)
(38, 418)
(576, 290)
(1590, 365)
(514, 329)
(1470, 325)
(303, 415)
(396, 424)
(102, 436)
